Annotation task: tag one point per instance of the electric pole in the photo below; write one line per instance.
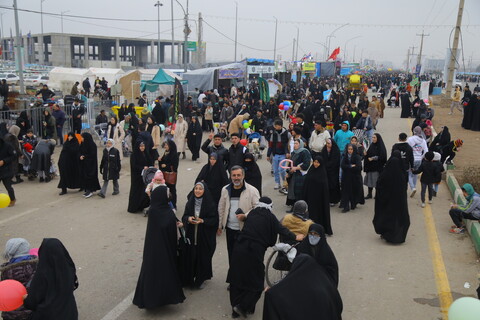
(158, 5)
(410, 54)
(18, 49)
(419, 59)
(236, 28)
(293, 53)
(453, 53)
(173, 38)
(275, 42)
(296, 50)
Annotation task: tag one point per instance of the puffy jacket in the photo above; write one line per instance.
(110, 165)
(419, 147)
(318, 140)
(248, 200)
(431, 172)
(342, 138)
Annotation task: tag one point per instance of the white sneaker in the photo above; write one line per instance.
(430, 201)
(88, 195)
(423, 204)
(412, 194)
(450, 113)
(277, 186)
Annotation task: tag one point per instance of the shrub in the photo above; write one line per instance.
(471, 175)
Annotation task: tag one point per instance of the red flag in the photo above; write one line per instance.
(334, 54)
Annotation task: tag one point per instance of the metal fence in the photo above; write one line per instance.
(36, 116)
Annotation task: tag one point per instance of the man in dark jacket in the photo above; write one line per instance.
(271, 112)
(4, 91)
(77, 112)
(86, 87)
(217, 147)
(45, 92)
(59, 116)
(278, 150)
(259, 122)
(7, 155)
(405, 150)
(236, 152)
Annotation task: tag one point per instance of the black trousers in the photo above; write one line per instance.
(173, 192)
(7, 182)
(231, 239)
(245, 298)
(458, 215)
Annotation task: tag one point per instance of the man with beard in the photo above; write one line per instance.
(236, 200)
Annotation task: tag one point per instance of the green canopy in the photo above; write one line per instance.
(160, 78)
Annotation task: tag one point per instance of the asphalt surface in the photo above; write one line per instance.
(377, 280)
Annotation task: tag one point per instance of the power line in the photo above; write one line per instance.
(337, 24)
(243, 45)
(90, 18)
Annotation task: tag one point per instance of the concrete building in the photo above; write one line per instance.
(69, 50)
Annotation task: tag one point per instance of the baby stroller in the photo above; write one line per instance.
(362, 137)
(254, 146)
(392, 102)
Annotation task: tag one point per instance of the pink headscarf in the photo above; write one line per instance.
(158, 175)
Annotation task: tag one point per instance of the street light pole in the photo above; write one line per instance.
(298, 37)
(18, 48)
(158, 5)
(332, 36)
(275, 42)
(345, 47)
(2, 34)
(236, 28)
(41, 55)
(173, 38)
(63, 44)
(186, 32)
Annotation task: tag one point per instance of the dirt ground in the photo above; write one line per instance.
(469, 153)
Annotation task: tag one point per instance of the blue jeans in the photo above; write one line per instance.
(412, 178)
(60, 134)
(277, 171)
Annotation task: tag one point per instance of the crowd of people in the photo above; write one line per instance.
(322, 152)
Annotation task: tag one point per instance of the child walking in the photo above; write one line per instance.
(431, 173)
(110, 168)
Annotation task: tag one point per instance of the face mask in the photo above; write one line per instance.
(314, 240)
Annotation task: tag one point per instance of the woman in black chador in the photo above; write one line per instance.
(331, 155)
(50, 295)
(391, 219)
(315, 193)
(201, 223)
(304, 293)
(253, 175)
(68, 164)
(159, 283)
(140, 159)
(89, 165)
(215, 176)
(194, 138)
(352, 186)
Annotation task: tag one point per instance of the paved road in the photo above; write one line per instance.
(377, 280)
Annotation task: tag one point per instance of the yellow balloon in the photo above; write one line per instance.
(250, 122)
(4, 200)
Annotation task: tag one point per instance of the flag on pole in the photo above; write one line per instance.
(334, 54)
(263, 89)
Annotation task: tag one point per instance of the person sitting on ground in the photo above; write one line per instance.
(470, 211)
(298, 221)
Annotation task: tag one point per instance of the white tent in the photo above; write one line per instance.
(204, 79)
(111, 75)
(63, 78)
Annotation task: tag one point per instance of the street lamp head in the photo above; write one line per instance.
(158, 4)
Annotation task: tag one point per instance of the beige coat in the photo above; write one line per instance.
(118, 137)
(248, 200)
(236, 123)
(155, 136)
(180, 135)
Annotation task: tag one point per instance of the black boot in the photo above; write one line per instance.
(183, 155)
(369, 195)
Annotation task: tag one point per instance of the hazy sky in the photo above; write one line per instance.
(383, 29)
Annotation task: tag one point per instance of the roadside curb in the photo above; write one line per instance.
(473, 227)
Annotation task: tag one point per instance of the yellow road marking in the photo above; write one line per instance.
(441, 278)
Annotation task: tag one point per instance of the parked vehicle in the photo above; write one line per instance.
(10, 77)
(35, 79)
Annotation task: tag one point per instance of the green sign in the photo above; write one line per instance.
(191, 46)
